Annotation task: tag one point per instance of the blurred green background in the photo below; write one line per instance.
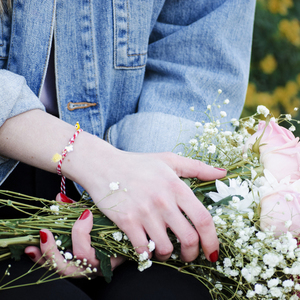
(275, 62)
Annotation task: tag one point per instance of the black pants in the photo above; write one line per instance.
(158, 282)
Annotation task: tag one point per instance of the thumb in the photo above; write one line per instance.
(81, 239)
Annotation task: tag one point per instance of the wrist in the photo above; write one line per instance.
(88, 161)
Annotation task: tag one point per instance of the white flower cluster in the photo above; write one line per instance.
(225, 146)
(262, 265)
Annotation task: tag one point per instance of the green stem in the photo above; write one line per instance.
(27, 240)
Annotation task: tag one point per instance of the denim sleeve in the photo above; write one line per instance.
(16, 98)
(195, 48)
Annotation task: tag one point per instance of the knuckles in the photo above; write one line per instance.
(204, 219)
(164, 251)
(190, 239)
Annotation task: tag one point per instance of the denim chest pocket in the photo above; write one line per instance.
(5, 29)
(132, 21)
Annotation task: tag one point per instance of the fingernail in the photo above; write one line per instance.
(43, 236)
(64, 198)
(220, 169)
(214, 256)
(84, 215)
(31, 255)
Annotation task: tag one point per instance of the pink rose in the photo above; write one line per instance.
(279, 150)
(281, 209)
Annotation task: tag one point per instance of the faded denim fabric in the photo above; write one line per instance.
(128, 70)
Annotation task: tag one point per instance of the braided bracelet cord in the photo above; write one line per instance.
(67, 149)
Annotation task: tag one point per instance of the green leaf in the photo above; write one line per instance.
(199, 195)
(16, 251)
(66, 241)
(105, 265)
(103, 221)
(187, 181)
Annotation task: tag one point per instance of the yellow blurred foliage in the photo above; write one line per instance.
(279, 6)
(269, 64)
(285, 97)
(290, 30)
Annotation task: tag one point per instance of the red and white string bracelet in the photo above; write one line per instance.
(60, 158)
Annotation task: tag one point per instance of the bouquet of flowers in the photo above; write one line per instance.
(255, 209)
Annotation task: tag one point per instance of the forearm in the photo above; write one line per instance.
(34, 137)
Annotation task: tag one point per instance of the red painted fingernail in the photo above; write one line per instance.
(31, 255)
(84, 215)
(220, 169)
(43, 236)
(65, 199)
(214, 256)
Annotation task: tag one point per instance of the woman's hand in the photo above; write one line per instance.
(155, 199)
(81, 248)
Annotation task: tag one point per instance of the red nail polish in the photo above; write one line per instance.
(214, 256)
(220, 169)
(64, 198)
(43, 236)
(84, 215)
(31, 255)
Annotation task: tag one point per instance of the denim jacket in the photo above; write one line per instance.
(127, 70)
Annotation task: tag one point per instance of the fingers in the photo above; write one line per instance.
(190, 168)
(204, 225)
(35, 254)
(85, 263)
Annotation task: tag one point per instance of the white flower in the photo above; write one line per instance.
(288, 283)
(68, 255)
(261, 109)
(295, 108)
(288, 223)
(292, 128)
(174, 256)
(145, 265)
(192, 108)
(261, 235)
(193, 142)
(223, 114)
(227, 262)
(211, 149)
(235, 122)
(236, 187)
(58, 243)
(271, 259)
(288, 117)
(117, 236)
(209, 107)
(226, 101)
(273, 282)
(151, 246)
(143, 256)
(288, 197)
(113, 186)
(275, 292)
(258, 288)
(55, 209)
(219, 91)
(198, 124)
(250, 294)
